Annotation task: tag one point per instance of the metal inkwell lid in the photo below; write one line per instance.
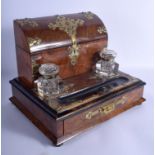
(49, 70)
(107, 54)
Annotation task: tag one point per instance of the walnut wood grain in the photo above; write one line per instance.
(60, 131)
(79, 122)
(67, 137)
(90, 40)
(88, 57)
(24, 67)
(54, 48)
(55, 128)
(86, 32)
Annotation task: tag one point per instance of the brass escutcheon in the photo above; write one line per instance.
(106, 109)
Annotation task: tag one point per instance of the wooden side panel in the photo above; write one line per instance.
(80, 122)
(51, 127)
(20, 39)
(24, 63)
(24, 66)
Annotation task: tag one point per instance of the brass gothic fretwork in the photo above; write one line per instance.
(89, 15)
(69, 26)
(27, 21)
(33, 41)
(101, 30)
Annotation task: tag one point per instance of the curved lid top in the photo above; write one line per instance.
(36, 34)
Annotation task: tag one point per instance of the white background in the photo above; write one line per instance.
(130, 28)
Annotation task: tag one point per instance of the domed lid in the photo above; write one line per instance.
(37, 34)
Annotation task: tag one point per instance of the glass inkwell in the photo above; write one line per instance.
(106, 66)
(48, 83)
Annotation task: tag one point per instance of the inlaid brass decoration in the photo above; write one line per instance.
(70, 88)
(101, 30)
(106, 109)
(69, 26)
(89, 15)
(27, 21)
(62, 107)
(33, 41)
(89, 99)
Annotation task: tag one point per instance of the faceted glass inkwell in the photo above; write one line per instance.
(48, 83)
(107, 66)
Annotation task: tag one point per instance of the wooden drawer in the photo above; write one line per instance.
(61, 129)
(102, 112)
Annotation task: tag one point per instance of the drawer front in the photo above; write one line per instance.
(102, 112)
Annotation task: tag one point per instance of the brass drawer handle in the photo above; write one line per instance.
(105, 109)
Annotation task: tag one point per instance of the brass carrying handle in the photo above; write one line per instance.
(105, 109)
